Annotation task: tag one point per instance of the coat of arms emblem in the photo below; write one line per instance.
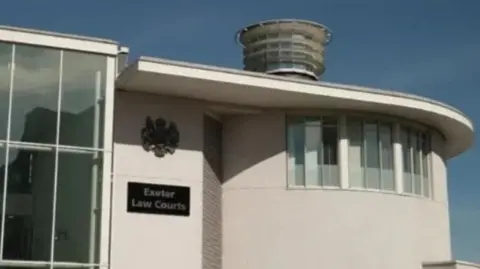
(160, 136)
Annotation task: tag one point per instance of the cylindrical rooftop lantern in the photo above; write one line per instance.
(285, 47)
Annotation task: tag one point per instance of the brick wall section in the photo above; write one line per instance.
(212, 194)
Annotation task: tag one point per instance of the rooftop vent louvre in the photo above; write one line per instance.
(285, 47)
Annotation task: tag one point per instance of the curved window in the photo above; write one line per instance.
(370, 155)
(315, 155)
(312, 151)
(416, 165)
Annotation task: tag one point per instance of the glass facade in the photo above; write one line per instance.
(313, 151)
(370, 154)
(416, 164)
(51, 152)
(313, 147)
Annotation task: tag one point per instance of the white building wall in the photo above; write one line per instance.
(264, 224)
(267, 226)
(156, 241)
(439, 169)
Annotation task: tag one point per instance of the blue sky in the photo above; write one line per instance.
(430, 48)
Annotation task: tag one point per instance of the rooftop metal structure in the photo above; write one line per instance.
(286, 47)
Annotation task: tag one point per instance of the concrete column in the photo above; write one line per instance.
(397, 159)
(343, 153)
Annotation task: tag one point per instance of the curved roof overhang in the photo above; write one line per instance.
(158, 76)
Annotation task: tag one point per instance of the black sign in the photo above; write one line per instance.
(158, 199)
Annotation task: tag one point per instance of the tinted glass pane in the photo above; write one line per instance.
(407, 160)
(29, 208)
(387, 177)
(78, 197)
(426, 165)
(2, 175)
(372, 156)
(417, 175)
(35, 94)
(83, 92)
(355, 153)
(299, 153)
(313, 159)
(296, 152)
(5, 67)
(79, 267)
(330, 153)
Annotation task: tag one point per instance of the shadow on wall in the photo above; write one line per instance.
(248, 140)
(252, 140)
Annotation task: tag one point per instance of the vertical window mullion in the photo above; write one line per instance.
(55, 178)
(304, 127)
(412, 161)
(430, 167)
(420, 162)
(95, 168)
(342, 169)
(7, 151)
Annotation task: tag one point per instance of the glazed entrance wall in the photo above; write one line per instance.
(51, 155)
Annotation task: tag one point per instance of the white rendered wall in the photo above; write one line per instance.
(264, 225)
(439, 169)
(156, 241)
(267, 226)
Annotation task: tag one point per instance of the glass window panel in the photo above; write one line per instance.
(29, 207)
(5, 67)
(35, 94)
(78, 196)
(296, 153)
(290, 155)
(330, 153)
(83, 92)
(329, 122)
(355, 153)
(312, 155)
(299, 138)
(372, 156)
(388, 182)
(2, 178)
(78, 267)
(426, 165)
(417, 175)
(407, 160)
(315, 121)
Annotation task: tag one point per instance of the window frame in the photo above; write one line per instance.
(396, 125)
(423, 143)
(364, 151)
(291, 118)
(106, 133)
